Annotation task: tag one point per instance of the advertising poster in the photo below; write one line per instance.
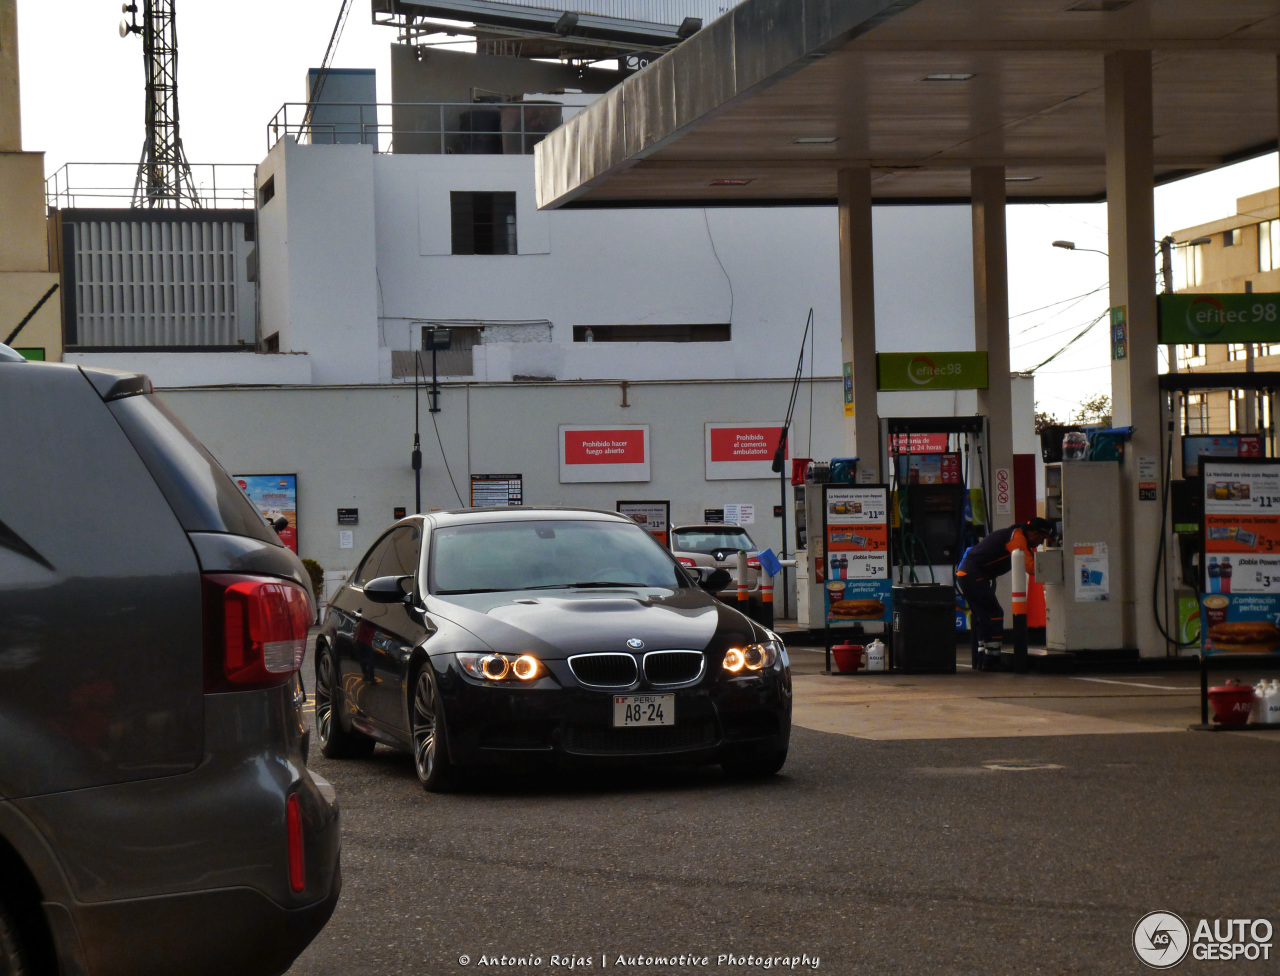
(859, 587)
(653, 517)
(590, 454)
(274, 495)
(742, 450)
(1240, 589)
(1093, 579)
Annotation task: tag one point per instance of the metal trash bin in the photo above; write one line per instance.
(924, 627)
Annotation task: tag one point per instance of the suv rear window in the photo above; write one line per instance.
(199, 491)
(709, 540)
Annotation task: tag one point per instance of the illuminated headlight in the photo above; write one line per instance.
(753, 657)
(500, 667)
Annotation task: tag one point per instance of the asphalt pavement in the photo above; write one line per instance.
(953, 824)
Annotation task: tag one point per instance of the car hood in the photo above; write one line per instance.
(558, 623)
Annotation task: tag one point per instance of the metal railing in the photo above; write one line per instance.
(426, 128)
(109, 185)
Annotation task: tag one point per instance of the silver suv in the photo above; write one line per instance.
(156, 812)
(717, 545)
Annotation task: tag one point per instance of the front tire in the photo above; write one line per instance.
(335, 741)
(430, 748)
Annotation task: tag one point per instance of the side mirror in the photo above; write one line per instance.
(387, 589)
(280, 524)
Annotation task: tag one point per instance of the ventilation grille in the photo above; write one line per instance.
(604, 670)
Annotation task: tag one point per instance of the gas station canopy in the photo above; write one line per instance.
(768, 103)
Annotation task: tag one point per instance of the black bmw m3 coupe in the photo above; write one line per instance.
(484, 637)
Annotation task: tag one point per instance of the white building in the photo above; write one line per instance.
(659, 319)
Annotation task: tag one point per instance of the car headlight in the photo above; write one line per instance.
(500, 667)
(753, 657)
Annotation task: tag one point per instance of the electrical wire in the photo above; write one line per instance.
(1061, 301)
(1076, 338)
(443, 456)
(711, 237)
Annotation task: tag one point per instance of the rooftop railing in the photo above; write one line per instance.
(426, 128)
(108, 185)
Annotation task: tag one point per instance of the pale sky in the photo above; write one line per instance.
(240, 60)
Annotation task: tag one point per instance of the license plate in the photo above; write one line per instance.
(639, 710)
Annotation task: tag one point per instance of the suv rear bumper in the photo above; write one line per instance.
(215, 932)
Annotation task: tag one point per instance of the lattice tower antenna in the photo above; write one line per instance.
(164, 178)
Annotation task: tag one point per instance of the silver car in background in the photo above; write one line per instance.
(716, 545)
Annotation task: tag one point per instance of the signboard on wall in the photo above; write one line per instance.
(590, 454)
(654, 517)
(742, 450)
(1240, 585)
(1220, 318)
(274, 495)
(931, 370)
(859, 587)
(497, 490)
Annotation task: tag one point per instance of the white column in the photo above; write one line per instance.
(858, 320)
(1135, 393)
(991, 330)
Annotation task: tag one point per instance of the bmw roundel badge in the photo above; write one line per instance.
(635, 643)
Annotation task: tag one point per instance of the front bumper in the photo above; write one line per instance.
(558, 719)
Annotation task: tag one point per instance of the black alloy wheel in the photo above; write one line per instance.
(335, 741)
(430, 752)
(12, 959)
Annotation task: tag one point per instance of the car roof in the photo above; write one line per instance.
(469, 516)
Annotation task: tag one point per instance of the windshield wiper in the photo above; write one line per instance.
(593, 584)
(494, 589)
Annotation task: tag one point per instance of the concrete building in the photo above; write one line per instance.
(1235, 254)
(296, 355)
(29, 318)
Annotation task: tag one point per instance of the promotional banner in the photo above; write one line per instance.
(859, 587)
(654, 517)
(274, 495)
(590, 454)
(1222, 318)
(1240, 588)
(742, 450)
(931, 371)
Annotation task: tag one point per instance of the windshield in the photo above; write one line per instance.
(547, 554)
(709, 539)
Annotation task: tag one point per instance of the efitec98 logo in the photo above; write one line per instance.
(1161, 939)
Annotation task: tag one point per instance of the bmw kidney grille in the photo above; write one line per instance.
(673, 667)
(604, 670)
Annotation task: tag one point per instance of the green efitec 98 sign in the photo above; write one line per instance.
(931, 371)
(1210, 319)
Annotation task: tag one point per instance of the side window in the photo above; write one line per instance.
(402, 556)
(371, 568)
(396, 554)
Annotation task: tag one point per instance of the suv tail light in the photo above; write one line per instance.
(685, 561)
(255, 630)
(753, 562)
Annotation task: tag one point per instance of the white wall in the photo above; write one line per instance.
(350, 446)
(317, 258)
(760, 270)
